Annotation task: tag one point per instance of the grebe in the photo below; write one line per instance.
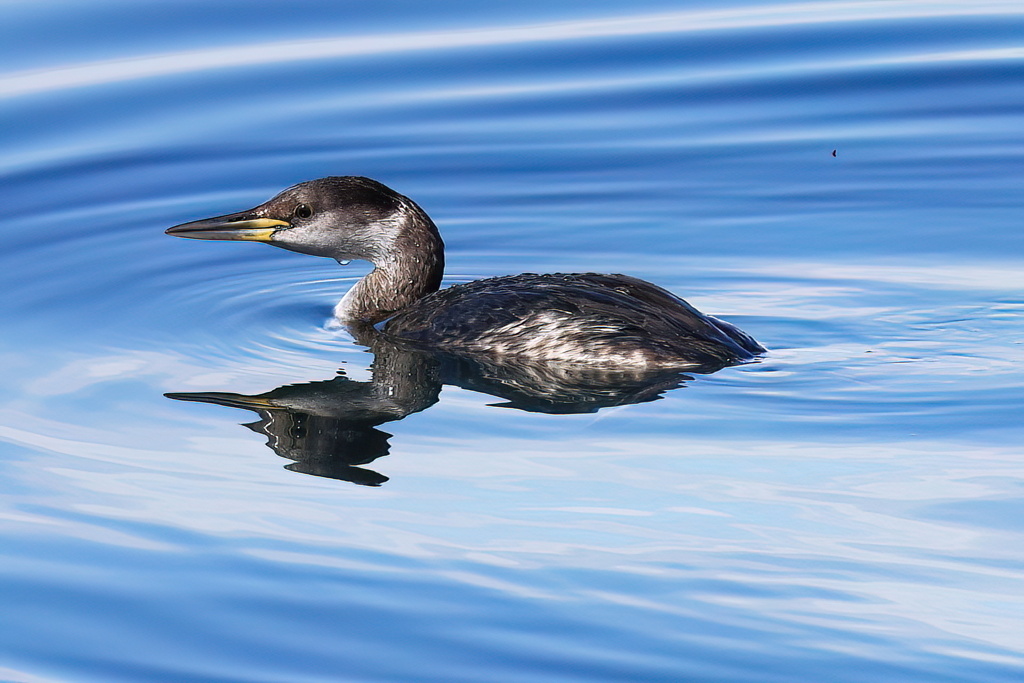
(588, 318)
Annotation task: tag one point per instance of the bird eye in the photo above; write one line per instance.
(303, 211)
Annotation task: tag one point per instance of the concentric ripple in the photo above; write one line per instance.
(841, 179)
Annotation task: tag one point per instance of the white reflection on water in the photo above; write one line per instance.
(857, 491)
(125, 69)
(859, 529)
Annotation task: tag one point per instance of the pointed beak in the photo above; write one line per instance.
(236, 226)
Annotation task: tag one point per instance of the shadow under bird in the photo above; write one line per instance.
(582, 318)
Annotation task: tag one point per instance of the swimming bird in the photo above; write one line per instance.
(584, 318)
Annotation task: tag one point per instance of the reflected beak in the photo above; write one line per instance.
(237, 226)
(225, 399)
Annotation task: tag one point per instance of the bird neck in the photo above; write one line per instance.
(407, 269)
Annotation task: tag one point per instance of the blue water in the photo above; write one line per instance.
(847, 509)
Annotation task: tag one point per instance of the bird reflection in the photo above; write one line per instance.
(329, 428)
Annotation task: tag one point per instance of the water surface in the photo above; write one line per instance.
(847, 509)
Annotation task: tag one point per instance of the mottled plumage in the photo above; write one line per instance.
(578, 318)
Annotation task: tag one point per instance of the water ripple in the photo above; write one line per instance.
(150, 66)
(842, 509)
